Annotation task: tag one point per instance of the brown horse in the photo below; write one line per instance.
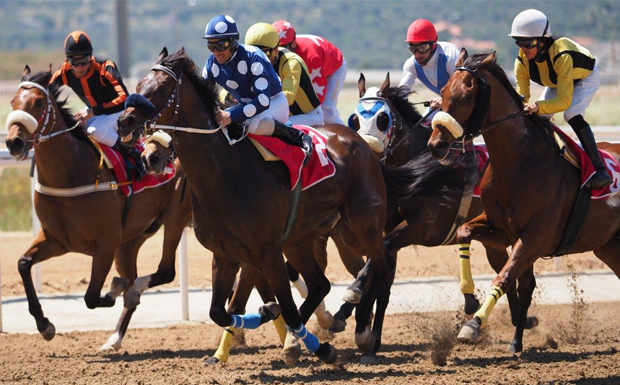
(90, 223)
(241, 204)
(528, 191)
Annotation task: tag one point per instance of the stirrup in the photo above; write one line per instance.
(599, 181)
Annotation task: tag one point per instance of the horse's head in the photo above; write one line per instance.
(158, 152)
(372, 118)
(466, 99)
(32, 113)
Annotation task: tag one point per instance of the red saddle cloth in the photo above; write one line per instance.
(587, 169)
(318, 168)
(483, 157)
(148, 181)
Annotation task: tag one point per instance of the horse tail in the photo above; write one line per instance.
(425, 178)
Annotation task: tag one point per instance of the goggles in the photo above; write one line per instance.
(220, 45)
(526, 43)
(267, 50)
(421, 48)
(79, 62)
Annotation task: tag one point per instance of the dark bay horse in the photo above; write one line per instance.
(90, 223)
(393, 127)
(528, 190)
(241, 204)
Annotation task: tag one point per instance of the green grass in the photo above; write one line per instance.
(16, 207)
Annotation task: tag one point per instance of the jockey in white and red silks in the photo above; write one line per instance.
(325, 62)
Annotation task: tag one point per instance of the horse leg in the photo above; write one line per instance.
(41, 249)
(477, 229)
(274, 272)
(521, 259)
(103, 256)
(527, 284)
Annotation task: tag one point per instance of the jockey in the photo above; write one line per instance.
(325, 62)
(570, 76)
(245, 72)
(431, 62)
(303, 103)
(99, 85)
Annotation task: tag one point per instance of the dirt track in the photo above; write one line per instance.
(573, 344)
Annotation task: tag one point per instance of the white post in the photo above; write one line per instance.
(182, 255)
(36, 226)
(557, 263)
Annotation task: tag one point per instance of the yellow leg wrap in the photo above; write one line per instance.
(485, 310)
(223, 351)
(467, 281)
(280, 327)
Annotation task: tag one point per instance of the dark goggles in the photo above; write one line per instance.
(79, 62)
(526, 43)
(421, 48)
(220, 45)
(267, 50)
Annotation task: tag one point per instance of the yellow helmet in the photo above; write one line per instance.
(263, 35)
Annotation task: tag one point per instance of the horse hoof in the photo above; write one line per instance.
(471, 305)
(47, 329)
(331, 355)
(515, 348)
(338, 326)
(269, 311)
(211, 361)
(106, 349)
(365, 341)
(326, 321)
(292, 349)
(113, 344)
(352, 295)
(531, 322)
(469, 332)
(368, 359)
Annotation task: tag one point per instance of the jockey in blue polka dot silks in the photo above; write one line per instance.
(245, 72)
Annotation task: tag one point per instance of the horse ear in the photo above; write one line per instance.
(182, 50)
(163, 54)
(462, 57)
(49, 69)
(361, 85)
(386, 84)
(26, 73)
(490, 59)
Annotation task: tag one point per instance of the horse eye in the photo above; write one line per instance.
(39, 103)
(469, 96)
(162, 90)
(383, 121)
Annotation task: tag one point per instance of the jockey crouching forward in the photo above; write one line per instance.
(99, 85)
(431, 62)
(246, 73)
(304, 105)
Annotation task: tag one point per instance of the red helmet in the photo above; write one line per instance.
(421, 31)
(285, 31)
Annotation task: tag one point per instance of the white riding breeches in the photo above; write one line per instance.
(583, 93)
(278, 110)
(334, 83)
(103, 128)
(312, 118)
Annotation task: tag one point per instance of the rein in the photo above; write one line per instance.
(390, 149)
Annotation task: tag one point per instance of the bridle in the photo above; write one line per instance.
(50, 111)
(151, 125)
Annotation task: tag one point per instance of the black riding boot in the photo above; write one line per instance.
(130, 152)
(289, 135)
(584, 133)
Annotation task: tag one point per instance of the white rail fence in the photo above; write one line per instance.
(603, 133)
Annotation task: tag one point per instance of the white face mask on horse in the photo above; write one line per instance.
(375, 120)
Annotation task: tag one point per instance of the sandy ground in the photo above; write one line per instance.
(574, 344)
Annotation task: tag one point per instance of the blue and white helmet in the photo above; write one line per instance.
(221, 27)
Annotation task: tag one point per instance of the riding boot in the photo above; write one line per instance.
(601, 179)
(294, 137)
(130, 152)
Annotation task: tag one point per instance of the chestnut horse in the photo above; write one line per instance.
(90, 223)
(527, 192)
(395, 131)
(241, 204)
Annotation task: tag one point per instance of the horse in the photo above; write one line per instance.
(527, 192)
(90, 223)
(241, 203)
(394, 129)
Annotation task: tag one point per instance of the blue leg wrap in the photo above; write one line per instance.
(248, 321)
(309, 339)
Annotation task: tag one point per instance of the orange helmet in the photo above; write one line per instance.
(421, 31)
(78, 43)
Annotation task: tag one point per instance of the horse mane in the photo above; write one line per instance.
(399, 96)
(43, 79)
(207, 91)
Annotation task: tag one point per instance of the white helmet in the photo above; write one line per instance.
(530, 23)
